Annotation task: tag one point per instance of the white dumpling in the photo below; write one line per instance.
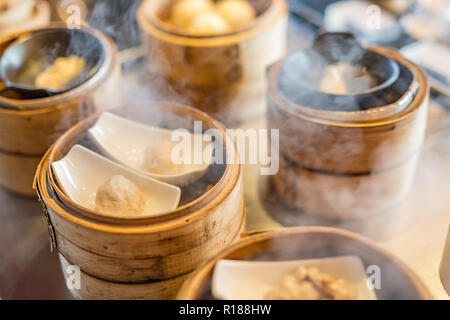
(184, 11)
(343, 78)
(238, 13)
(208, 23)
(158, 159)
(334, 80)
(120, 197)
(60, 73)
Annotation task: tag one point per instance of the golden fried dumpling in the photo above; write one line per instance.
(238, 13)
(208, 23)
(184, 11)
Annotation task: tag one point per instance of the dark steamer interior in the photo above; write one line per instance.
(157, 115)
(302, 71)
(395, 283)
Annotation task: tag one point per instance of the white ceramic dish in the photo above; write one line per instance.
(251, 280)
(125, 141)
(82, 171)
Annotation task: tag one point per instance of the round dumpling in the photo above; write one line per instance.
(158, 159)
(120, 197)
(184, 11)
(238, 13)
(208, 23)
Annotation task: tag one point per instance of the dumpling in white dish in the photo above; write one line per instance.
(120, 197)
(158, 159)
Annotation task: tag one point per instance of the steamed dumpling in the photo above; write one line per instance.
(238, 13)
(120, 197)
(60, 73)
(343, 78)
(309, 283)
(208, 23)
(334, 80)
(184, 11)
(158, 159)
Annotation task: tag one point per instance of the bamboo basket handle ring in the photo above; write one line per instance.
(51, 229)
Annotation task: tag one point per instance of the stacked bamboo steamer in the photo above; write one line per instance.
(397, 280)
(223, 75)
(347, 164)
(144, 258)
(28, 127)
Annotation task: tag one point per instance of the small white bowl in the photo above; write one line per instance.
(126, 141)
(81, 172)
(252, 280)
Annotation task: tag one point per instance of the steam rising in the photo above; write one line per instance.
(117, 18)
(428, 199)
(145, 86)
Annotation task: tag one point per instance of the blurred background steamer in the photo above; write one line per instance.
(20, 15)
(30, 121)
(143, 257)
(352, 121)
(214, 65)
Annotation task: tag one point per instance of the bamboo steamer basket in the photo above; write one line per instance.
(145, 250)
(397, 280)
(445, 266)
(29, 126)
(223, 75)
(341, 196)
(17, 172)
(341, 168)
(92, 288)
